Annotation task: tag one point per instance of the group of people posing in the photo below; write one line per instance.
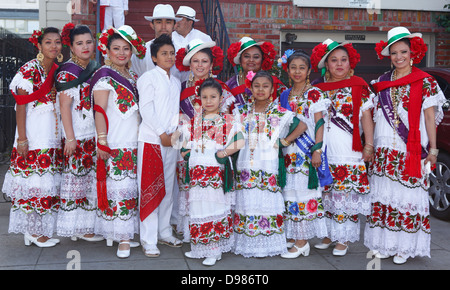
(153, 144)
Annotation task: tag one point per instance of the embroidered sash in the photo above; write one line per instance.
(41, 92)
(305, 143)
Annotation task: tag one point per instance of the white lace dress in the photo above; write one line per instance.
(33, 183)
(77, 212)
(399, 219)
(120, 221)
(258, 220)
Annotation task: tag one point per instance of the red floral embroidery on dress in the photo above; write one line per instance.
(385, 216)
(39, 205)
(38, 161)
(125, 99)
(349, 177)
(211, 231)
(82, 161)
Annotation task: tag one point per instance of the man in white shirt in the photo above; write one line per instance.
(159, 100)
(162, 22)
(115, 12)
(184, 28)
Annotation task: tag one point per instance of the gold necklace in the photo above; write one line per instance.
(254, 136)
(126, 74)
(77, 61)
(396, 94)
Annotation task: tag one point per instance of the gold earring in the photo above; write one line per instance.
(40, 56)
(351, 72)
(307, 80)
(108, 62)
(60, 57)
(392, 65)
(327, 75)
(129, 64)
(411, 62)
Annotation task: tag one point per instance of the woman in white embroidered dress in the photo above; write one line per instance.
(258, 219)
(208, 143)
(349, 116)
(399, 223)
(77, 213)
(33, 179)
(304, 214)
(114, 90)
(202, 60)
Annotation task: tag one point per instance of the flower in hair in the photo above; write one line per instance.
(249, 78)
(65, 34)
(282, 61)
(35, 36)
(103, 40)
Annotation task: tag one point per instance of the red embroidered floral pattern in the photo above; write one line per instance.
(205, 176)
(211, 231)
(391, 163)
(38, 161)
(82, 160)
(125, 99)
(41, 206)
(253, 226)
(349, 177)
(124, 209)
(392, 219)
(33, 73)
(124, 163)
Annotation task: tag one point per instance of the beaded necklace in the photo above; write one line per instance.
(396, 95)
(254, 136)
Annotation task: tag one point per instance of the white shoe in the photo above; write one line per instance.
(380, 255)
(110, 243)
(151, 251)
(123, 253)
(337, 252)
(399, 260)
(189, 255)
(290, 244)
(211, 261)
(300, 251)
(171, 241)
(323, 246)
(95, 238)
(29, 239)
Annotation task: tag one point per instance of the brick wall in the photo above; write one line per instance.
(263, 20)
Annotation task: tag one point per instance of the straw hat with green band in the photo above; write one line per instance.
(246, 42)
(128, 34)
(331, 45)
(395, 34)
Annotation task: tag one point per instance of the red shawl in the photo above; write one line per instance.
(413, 147)
(41, 92)
(357, 84)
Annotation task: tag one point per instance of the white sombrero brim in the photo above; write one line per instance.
(151, 18)
(187, 58)
(238, 56)
(385, 51)
(322, 61)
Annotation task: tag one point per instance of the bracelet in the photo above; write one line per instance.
(284, 142)
(22, 143)
(69, 140)
(225, 154)
(320, 151)
(102, 142)
(434, 151)
(102, 135)
(369, 144)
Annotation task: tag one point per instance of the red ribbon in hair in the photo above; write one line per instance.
(102, 198)
(41, 92)
(413, 147)
(356, 83)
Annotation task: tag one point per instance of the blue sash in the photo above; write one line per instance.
(304, 143)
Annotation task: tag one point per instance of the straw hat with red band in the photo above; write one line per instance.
(321, 51)
(418, 46)
(236, 49)
(184, 55)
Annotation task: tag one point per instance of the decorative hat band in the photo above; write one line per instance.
(332, 46)
(191, 48)
(246, 45)
(397, 37)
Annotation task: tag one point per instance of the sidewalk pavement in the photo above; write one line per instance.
(14, 255)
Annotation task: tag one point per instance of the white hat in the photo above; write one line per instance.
(162, 11)
(395, 34)
(127, 33)
(246, 42)
(331, 45)
(188, 12)
(195, 46)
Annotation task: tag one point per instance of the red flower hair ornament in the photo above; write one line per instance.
(128, 34)
(65, 34)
